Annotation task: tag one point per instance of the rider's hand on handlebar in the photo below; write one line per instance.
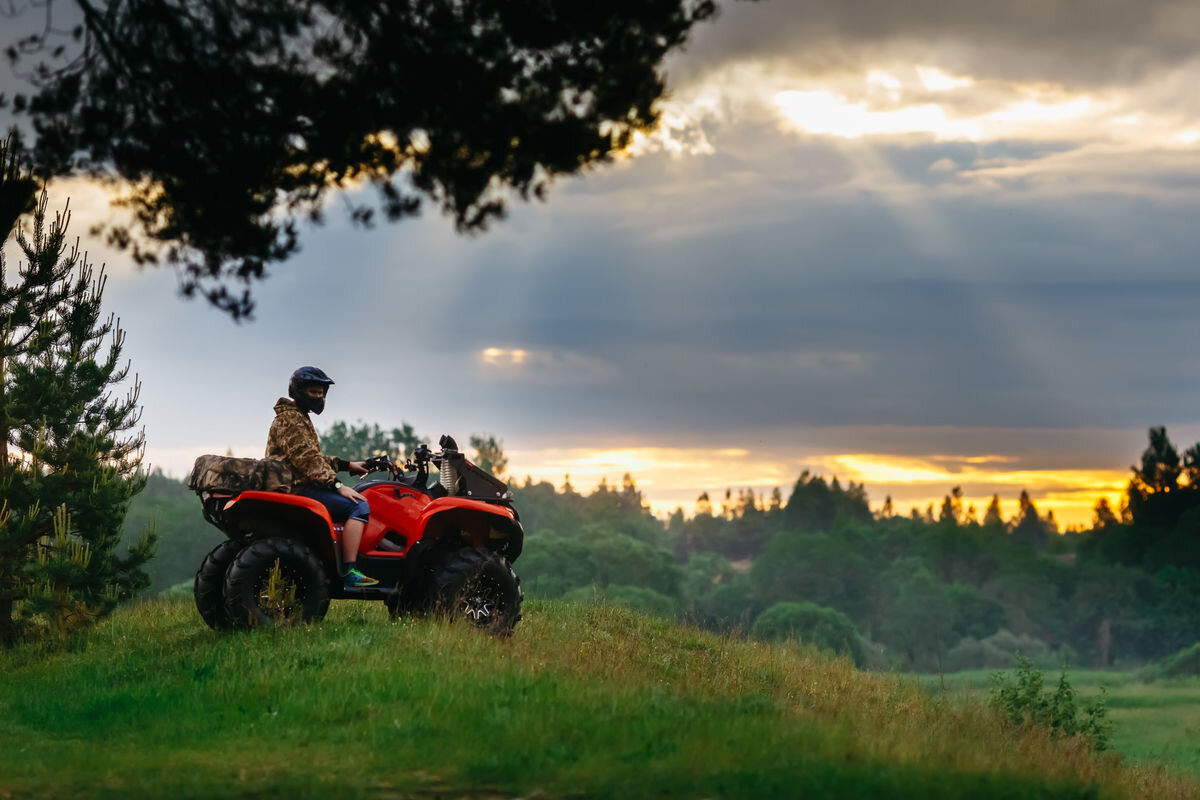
(358, 468)
(350, 494)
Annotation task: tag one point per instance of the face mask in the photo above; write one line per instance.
(316, 405)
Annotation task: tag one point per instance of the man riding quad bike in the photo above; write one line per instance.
(440, 543)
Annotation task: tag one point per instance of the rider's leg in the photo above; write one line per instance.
(351, 537)
(352, 533)
(355, 516)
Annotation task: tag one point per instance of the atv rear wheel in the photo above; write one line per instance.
(479, 587)
(276, 581)
(209, 587)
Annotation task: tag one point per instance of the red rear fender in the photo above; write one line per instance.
(246, 500)
(263, 514)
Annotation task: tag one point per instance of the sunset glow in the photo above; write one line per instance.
(824, 112)
(937, 81)
(674, 478)
(501, 355)
(1026, 111)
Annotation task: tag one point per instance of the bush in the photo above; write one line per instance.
(181, 589)
(875, 656)
(1182, 664)
(998, 651)
(812, 624)
(1027, 703)
(553, 565)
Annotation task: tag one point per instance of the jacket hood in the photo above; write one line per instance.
(286, 404)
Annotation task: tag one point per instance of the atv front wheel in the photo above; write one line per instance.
(276, 581)
(209, 587)
(479, 586)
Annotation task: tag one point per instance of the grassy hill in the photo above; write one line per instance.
(584, 701)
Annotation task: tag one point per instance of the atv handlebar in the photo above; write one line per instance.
(380, 464)
(418, 460)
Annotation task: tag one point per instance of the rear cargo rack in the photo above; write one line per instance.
(213, 503)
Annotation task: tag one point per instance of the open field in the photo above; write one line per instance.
(584, 701)
(1155, 723)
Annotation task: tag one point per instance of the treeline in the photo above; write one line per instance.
(952, 593)
(919, 592)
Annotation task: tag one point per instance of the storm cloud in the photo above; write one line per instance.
(1077, 42)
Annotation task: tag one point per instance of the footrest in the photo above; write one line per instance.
(364, 592)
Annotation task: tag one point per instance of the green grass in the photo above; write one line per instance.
(584, 701)
(1154, 723)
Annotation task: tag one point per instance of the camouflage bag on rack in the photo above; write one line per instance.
(227, 474)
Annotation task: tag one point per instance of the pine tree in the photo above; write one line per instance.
(1027, 526)
(952, 507)
(1104, 516)
(992, 517)
(888, 511)
(69, 459)
(1155, 495)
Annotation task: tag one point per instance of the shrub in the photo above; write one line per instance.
(812, 624)
(1182, 664)
(1027, 703)
(998, 650)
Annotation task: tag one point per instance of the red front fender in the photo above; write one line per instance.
(484, 525)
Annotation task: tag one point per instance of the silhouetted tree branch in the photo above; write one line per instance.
(232, 121)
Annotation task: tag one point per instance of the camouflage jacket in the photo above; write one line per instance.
(294, 439)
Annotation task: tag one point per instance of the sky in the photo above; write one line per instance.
(917, 245)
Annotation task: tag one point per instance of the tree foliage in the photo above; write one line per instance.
(355, 442)
(70, 456)
(231, 122)
(489, 454)
(1156, 495)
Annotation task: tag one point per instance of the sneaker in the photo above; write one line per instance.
(356, 580)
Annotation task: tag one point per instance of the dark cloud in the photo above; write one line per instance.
(813, 309)
(1094, 42)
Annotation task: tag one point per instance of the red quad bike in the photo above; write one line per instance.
(436, 546)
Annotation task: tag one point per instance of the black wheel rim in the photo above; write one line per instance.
(481, 601)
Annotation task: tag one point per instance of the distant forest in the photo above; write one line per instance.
(917, 592)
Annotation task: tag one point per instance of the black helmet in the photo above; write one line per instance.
(301, 380)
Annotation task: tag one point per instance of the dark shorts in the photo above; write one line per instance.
(340, 508)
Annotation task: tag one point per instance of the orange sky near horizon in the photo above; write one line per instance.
(674, 478)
